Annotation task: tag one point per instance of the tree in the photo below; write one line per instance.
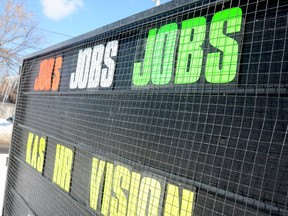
(8, 89)
(17, 34)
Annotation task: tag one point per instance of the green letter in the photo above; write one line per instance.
(217, 72)
(142, 77)
(164, 53)
(190, 55)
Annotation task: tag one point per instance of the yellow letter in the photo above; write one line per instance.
(28, 147)
(95, 182)
(172, 206)
(149, 187)
(66, 170)
(35, 152)
(121, 181)
(40, 160)
(107, 189)
(58, 164)
(63, 166)
(133, 194)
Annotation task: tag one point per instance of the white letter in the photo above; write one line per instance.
(96, 66)
(73, 80)
(108, 73)
(83, 76)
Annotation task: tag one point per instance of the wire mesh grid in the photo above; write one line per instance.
(179, 110)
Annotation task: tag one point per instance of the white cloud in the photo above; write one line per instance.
(59, 9)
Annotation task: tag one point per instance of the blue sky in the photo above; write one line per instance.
(75, 17)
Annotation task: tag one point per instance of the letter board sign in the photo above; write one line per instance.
(178, 110)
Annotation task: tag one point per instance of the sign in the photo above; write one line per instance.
(160, 50)
(179, 110)
(115, 188)
(159, 66)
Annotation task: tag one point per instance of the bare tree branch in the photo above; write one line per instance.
(17, 34)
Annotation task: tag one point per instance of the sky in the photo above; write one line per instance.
(70, 18)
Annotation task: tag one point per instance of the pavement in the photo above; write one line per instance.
(4, 149)
(5, 133)
(5, 140)
(3, 174)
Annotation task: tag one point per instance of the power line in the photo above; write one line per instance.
(42, 29)
(58, 33)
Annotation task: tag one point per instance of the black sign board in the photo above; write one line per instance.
(178, 110)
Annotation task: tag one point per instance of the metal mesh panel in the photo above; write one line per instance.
(179, 110)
